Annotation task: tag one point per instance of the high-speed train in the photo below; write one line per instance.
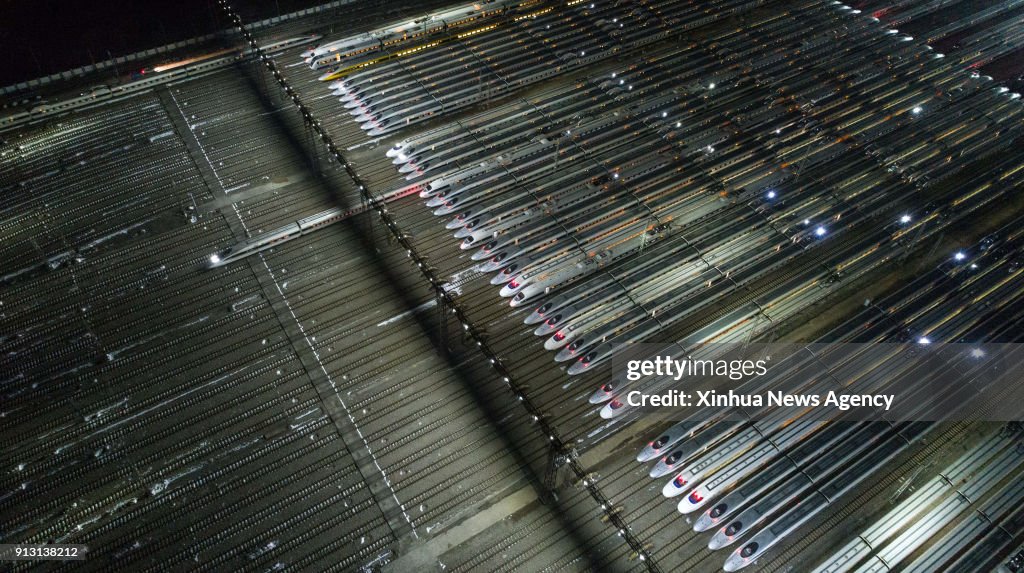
(303, 226)
(514, 188)
(754, 502)
(269, 48)
(542, 214)
(336, 52)
(265, 241)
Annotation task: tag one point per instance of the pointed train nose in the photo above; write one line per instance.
(675, 486)
(539, 314)
(579, 367)
(503, 278)
(602, 395)
(550, 325)
(512, 288)
(558, 340)
(567, 353)
(691, 503)
(481, 255)
(726, 536)
(716, 542)
(435, 201)
(463, 232)
(741, 557)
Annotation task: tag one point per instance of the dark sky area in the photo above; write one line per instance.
(41, 37)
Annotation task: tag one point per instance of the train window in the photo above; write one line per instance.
(733, 528)
(749, 549)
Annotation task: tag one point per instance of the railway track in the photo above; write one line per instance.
(232, 383)
(178, 428)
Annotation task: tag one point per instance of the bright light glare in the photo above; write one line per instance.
(924, 340)
(820, 231)
(214, 258)
(904, 219)
(771, 194)
(917, 109)
(959, 256)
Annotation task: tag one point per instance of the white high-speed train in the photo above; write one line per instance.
(334, 53)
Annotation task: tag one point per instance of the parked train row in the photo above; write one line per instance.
(523, 46)
(291, 231)
(750, 172)
(1009, 172)
(755, 483)
(621, 207)
(366, 45)
(957, 521)
(978, 34)
(972, 19)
